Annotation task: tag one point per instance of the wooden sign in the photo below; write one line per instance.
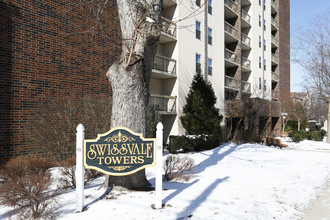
(119, 152)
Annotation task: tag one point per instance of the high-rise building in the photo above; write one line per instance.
(242, 48)
(50, 49)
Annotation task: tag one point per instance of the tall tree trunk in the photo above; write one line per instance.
(130, 76)
(299, 124)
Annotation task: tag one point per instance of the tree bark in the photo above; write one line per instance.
(130, 76)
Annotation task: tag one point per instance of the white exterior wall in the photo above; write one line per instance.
(184, 50)
(257, 51)
(188, 45)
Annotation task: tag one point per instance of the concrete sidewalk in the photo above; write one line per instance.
(319, 208)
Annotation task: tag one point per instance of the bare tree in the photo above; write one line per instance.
(299, 112)
(313, 54)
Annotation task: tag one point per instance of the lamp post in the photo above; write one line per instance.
(284, 114)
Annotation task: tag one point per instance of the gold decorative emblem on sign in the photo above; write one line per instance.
(119, 138)
(120, 168)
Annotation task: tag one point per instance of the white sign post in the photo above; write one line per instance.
(80, 170)
(159, 165)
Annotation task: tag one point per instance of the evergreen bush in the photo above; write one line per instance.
(153, 119)
(193, 143)
(200, 116)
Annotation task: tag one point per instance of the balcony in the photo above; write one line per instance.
(274, 6)
(231, 83)
(246, 42)
(245, 2)
(275, 95)
(230, 33)
(230, 58)
(164, 67)
(275, 77)
(274, 24)
(246, 87)
(274, 42)
(169, 3)
(246, 19)
(168, 33)
(246, 64)
(274, 59)
(230, 9)
(165, 105)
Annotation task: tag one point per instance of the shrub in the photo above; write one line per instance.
(25, 185)
(52, 131)
(297, 137)
(313, 135)
(68, 171)
(153, 119)
(178, 168)
(193, 143)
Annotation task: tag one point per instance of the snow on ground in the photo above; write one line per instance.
(247, 181)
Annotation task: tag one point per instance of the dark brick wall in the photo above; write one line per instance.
(49, 49)
(284, 51)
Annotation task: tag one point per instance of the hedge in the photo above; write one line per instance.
(184, 143)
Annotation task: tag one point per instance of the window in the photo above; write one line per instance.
(259, 83)
(198, 63)
(264, 25)
(264, 4)
(259, 2)
(264, 64)
(209, 66)
(209, 6)
(198, 3)
(265, 87)
(264, 45)
(259, 62)
(259, 20)
(209, 36)
(260, 41)
(198, 30)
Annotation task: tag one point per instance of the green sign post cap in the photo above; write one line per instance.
(119, 152)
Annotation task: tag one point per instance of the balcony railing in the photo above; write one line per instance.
(230, 56)
(274, 5)
(165, 64)
(246, 40)
(274, 41)
(274, 58)
(246, 87)
(162, 103)
(168, 27)
(274, 23)
(245, 16)
(246, 63)
(230, 30)
(232, 5)
(275, 77)
(275, 95)
(231, 83)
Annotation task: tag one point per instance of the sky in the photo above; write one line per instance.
(301, 15)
